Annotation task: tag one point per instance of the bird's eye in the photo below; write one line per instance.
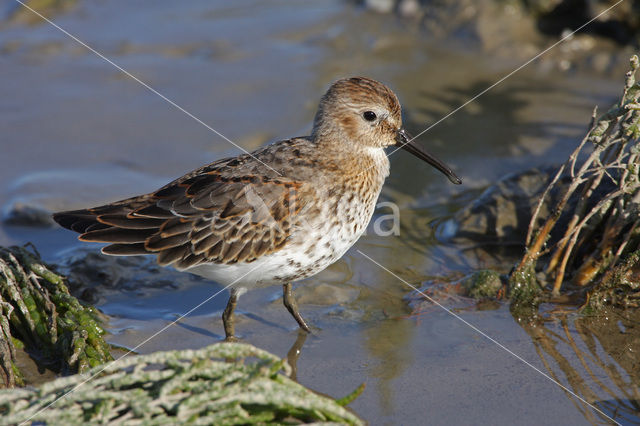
(369, 115)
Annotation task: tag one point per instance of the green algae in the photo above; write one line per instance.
(224, 383)
(620, 287)
(41, 316)
(483, 284)
(523, 285)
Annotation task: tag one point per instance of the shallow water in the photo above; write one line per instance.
(77, 132)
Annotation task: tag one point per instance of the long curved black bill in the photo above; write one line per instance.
(404, 141)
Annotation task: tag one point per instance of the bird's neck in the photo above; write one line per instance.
(358, 164)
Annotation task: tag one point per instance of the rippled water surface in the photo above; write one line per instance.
(76, 132)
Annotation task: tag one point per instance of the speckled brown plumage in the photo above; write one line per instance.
(203, 217)
(281, 213)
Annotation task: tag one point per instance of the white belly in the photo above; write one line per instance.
(318, 242)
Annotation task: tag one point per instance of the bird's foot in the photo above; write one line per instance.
(292, 306)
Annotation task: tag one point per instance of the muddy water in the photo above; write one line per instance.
(77, 132)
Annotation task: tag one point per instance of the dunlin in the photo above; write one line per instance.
(280, 214)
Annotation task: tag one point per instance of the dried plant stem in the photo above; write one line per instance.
(533, 252)
(580, 209)
(600, 203)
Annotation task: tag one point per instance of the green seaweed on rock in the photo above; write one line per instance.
(40, 314)
(483, 284)
(224, 383)
(620, 287)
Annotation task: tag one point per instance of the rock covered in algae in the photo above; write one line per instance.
(483, 284)
(39, 314)
(620, 287)
(225, 383)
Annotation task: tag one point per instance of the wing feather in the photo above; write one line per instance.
(212, 215)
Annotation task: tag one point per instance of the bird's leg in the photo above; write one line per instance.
(227, 316)
(291, 305)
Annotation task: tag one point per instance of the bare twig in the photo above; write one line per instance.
(601, 201)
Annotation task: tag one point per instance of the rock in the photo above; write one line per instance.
(38, 313)
(501, 214)
(92, 274)
(483, 284)
(21, 214)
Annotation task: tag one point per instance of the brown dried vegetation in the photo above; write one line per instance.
(598, 251)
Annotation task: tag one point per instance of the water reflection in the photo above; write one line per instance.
(295, 351)
(389, 342)
(597, 357)
(498, 117)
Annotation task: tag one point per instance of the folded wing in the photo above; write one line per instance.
(205, 217)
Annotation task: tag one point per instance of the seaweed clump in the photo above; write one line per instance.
(40, 315)
(213, 385)
(598, 250)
